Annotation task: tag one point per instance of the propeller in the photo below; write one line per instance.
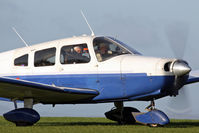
(177, 34)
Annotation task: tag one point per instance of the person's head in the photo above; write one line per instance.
(103, 48)
(78, 49)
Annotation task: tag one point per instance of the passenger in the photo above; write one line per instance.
(79, 57)
(78, 49)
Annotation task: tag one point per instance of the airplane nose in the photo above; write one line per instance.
(181, 68)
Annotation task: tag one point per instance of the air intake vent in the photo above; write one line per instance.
(167, 66)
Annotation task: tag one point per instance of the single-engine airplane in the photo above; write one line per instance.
(89, 69)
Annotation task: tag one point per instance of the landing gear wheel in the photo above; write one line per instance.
(127, 117)
(155, 125)
(23, 124)
(22, 116)
(124, 117)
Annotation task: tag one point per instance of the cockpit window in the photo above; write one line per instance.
(106, 48)
(74, 54)
(45, 57)
(21, 61)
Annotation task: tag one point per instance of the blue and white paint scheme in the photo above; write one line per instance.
(127, 76)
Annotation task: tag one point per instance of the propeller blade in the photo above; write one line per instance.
(179, 104)
(177, 34)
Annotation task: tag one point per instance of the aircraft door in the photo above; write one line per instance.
(77, 68)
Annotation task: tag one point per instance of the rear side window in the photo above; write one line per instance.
(21, 61)
(45, 57)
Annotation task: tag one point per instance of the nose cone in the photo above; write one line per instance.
(181, 68)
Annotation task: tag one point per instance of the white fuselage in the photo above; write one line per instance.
(88, 75)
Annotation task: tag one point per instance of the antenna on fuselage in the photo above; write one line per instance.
(20, 36)
(92, 33)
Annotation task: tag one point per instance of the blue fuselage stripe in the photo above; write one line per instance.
(110, 86)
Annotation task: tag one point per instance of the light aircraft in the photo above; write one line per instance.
(89, 69)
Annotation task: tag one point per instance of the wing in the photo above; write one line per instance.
(41, 93)
(193, 77)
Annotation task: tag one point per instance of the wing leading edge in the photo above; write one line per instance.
(193, 77)
(48, 94)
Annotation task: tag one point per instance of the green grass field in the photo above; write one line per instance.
(95, 125)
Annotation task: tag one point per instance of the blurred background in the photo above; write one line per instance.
(155, 28)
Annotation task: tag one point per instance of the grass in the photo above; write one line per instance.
(95, 125)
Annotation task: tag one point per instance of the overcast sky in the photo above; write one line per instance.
(150, 26)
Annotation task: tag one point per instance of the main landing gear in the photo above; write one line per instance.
(26, 116)
(129, 115)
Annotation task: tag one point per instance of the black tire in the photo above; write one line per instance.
(125, 118)
(154, 125)
(19, 124)
(127, 115)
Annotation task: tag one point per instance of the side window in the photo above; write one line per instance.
(45, 57)
(21, 61)
(74, 54)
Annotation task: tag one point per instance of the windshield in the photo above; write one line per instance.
(126, 46)
(107, 47)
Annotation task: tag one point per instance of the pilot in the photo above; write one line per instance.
(104, 51)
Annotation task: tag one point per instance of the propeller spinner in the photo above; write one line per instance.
(180, 68)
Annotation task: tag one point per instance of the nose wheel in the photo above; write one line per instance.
(152, 118)
(129, 115)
